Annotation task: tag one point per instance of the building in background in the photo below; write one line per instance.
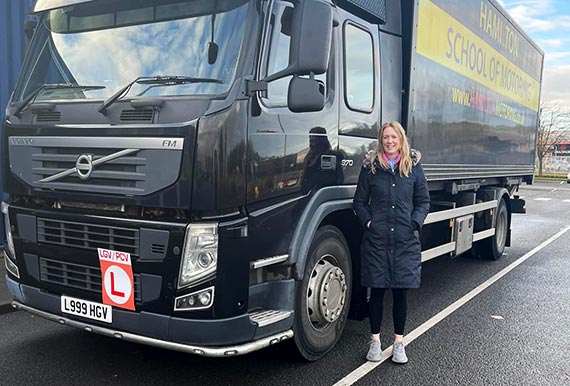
(13, 15)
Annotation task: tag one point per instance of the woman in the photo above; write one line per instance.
(391, 202)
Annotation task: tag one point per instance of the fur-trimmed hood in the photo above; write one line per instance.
(416, 156)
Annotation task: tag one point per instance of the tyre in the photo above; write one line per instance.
(322, 297)
(492, 248)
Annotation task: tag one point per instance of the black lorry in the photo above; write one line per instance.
(181, 172)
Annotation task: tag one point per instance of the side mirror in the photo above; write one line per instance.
(311, 39)
(212, 52)
(305, 95)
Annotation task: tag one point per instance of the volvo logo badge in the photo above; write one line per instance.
(84, 166)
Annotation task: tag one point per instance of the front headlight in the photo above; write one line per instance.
(200, 254)
(11, 267)
(8, 230)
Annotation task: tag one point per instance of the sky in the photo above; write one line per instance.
(547, 22)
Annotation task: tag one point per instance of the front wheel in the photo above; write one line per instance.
(323, 295)
(493, 247)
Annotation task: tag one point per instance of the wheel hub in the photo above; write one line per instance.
(326, 294)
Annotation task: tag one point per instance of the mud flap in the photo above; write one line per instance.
(517, 206)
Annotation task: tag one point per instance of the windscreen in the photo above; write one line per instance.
(111, 43)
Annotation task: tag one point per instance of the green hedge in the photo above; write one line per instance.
(551, 176)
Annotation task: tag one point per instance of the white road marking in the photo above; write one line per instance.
(367, 367)
(565, 200)
(543, 199)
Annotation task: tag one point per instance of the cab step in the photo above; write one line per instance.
(266, 317)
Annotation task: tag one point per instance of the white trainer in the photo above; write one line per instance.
(399, 353)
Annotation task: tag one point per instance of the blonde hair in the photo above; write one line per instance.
(405, 164)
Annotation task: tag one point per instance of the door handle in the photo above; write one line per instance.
(328, 162)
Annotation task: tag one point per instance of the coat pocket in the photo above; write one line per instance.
(417, 235)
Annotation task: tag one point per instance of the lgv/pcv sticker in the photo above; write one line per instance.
(117, 278)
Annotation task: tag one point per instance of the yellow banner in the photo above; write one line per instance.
(446, 41)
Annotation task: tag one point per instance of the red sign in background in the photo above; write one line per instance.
(562, 149)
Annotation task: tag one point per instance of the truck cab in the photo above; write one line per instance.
(166, 131)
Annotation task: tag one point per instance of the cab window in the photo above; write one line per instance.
(358, 68)
(277, 57)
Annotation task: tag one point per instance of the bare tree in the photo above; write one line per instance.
(552, 129)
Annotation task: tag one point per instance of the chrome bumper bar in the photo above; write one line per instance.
(186, 348)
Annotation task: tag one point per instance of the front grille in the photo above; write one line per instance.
(121, 172)
(88, 236)
(125, 166)
(76, 276)
(70, 275)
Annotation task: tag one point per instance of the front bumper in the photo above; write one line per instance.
(214, 338)
(222, 351)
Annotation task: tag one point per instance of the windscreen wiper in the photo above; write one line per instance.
(51, 86)
(153, 80)
(174, 81)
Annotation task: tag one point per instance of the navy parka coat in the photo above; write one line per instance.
(396, 207)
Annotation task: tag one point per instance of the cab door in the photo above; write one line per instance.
(360, 97)
(290, 155)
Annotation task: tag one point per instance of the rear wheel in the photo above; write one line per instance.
(492, 248)
(322, 297)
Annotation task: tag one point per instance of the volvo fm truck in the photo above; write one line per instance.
(181, 172)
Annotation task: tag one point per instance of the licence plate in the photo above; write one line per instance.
(87, 309)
